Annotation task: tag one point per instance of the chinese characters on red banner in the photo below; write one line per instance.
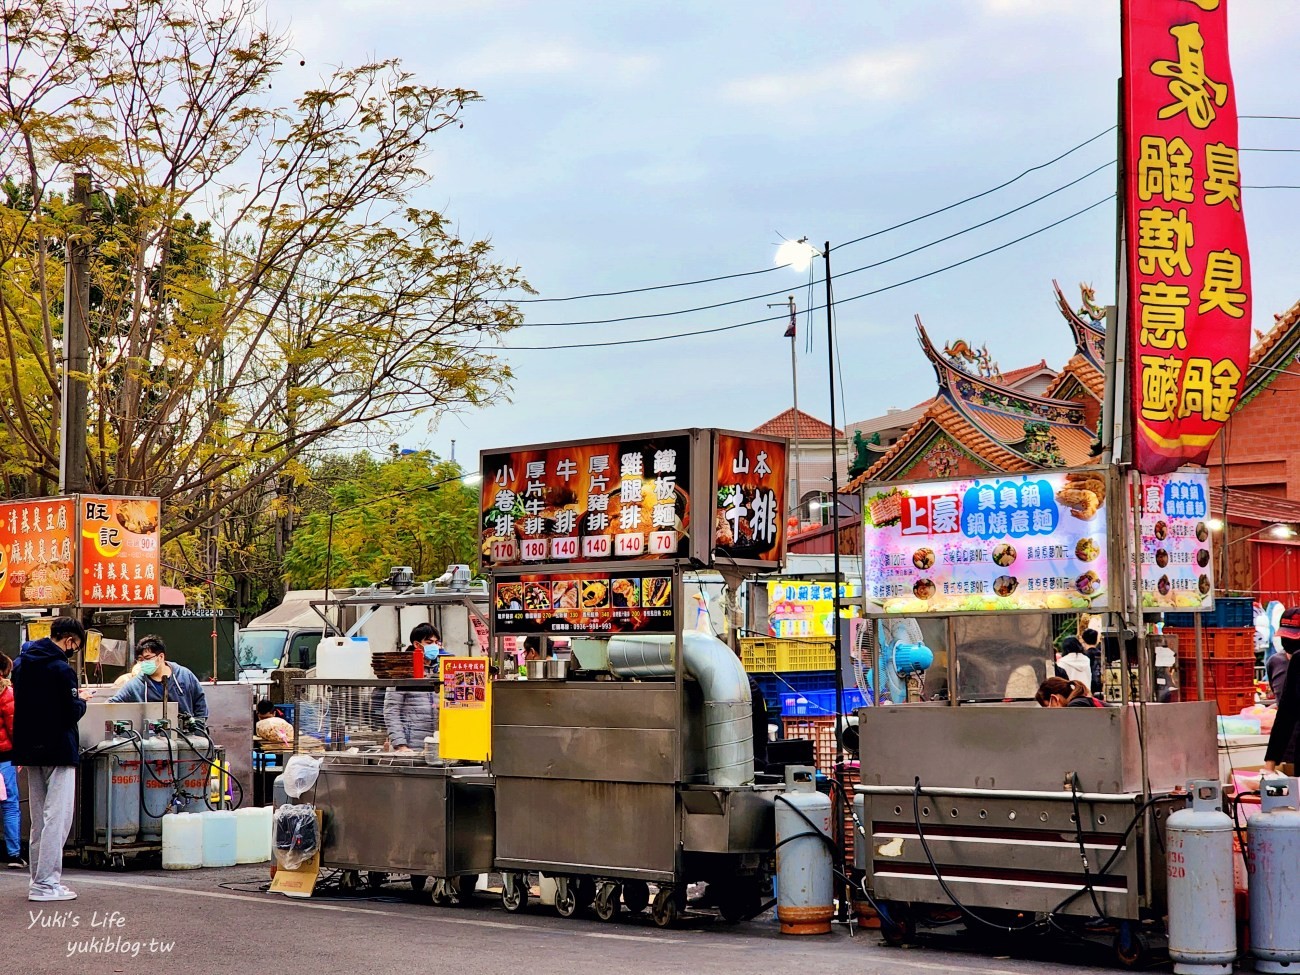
(36, 554)
(749, 507)
(1188, 265)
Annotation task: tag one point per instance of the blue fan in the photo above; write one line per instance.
(902, 653)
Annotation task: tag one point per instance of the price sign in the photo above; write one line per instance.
(505, 550)
(564, 548)
(663, 543)
(629, 545)
(534, 549)
(596, 547)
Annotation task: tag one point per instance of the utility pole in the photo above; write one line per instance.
(76, 341)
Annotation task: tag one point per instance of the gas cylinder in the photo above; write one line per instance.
(192, 770)
(1202, 918)
(804, 878)
(158, 773)
(1273, 838)
(117, 786)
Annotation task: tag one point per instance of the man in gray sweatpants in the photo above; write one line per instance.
(47, 707)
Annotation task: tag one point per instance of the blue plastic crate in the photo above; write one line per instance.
(776, 686)
(814, 703)
(1230, 612)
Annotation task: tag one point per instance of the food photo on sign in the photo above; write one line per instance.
(590, 602)
(120, 551)
(1177, 561)
(36, 553)
(749, 508)
(626, 499)
(1001, 543)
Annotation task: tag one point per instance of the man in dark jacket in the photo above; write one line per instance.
(1285, 681)
(47, 707)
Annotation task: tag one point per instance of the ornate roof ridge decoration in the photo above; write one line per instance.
(1274, 351)
(1080, 371)
(963, 387)
(1087, 324)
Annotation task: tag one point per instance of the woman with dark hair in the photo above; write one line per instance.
(1057, 692)
(9, 810)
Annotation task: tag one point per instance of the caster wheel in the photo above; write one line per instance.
(514, 892)
(636, 895)
(900, 927)
(118, 861)
(417, 882)
(375, 879)
(664, 909)
(606, 903)
(1132, 951)
(566, 897)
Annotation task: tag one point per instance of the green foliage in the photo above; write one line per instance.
(410, 509)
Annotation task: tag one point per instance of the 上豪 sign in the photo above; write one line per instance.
(750, 498)
(608, 501)
(1177, 556)
(1188, 264)
(1005, 542)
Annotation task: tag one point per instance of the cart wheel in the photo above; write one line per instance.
(119, 861)
(514, 892)
(85, 859)
(1132, 950)
(375, 879)
(566, 896)
(418, 881)
(607, 901)
(899, 928)
(636, 895)
(739, 901)
(664, 910)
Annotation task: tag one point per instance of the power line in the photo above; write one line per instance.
(840, 301)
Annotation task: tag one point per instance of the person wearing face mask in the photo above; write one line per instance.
(163, 681)
(47, 706)
(411, 716)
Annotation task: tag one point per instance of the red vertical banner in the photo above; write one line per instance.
(1188, 265)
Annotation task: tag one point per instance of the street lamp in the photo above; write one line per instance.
(799, 255)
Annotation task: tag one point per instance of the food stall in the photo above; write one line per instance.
(983, 803)
(636, 768)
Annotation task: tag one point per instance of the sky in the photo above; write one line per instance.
(630, 144)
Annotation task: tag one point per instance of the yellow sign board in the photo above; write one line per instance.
(465, 709)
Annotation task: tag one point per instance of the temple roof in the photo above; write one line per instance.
(1273, 352)
(810, 428)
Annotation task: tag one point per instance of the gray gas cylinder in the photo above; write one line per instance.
(1202, 920)
(1273, 838)
(192, 769)
(158, 772)
(117, 787)
(804, 877)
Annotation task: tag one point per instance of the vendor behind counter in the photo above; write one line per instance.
(160, 681)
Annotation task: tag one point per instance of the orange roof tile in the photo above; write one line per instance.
(1283, 324)
(1084, 372)
(1015, 374)
(810, 428)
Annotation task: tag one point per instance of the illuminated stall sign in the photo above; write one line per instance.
(749, 499)
(120, 551)
(591, 602)
(800, 608)
(1177, 555)
(1004, 543)
(620, 500)
(1188, 264)
(37, 557)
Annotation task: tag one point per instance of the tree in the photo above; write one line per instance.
(262, 288)
(410, 509)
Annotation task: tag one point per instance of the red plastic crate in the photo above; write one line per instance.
(820, 731)
(1216, 644)
(1231, 683)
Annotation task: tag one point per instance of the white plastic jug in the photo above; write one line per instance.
(182, 841)
(253, 834)
(218, 838)
(344, 658)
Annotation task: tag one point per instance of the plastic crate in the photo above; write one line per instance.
(1229, 683)
(819, 702)
(805, 654)
(1216, 644)
(758, 654)
(1229, 611)
(820, 731)
(849, 775)
(776, 686)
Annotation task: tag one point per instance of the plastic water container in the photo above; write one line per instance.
(344, 658)
(219, 837)
(253, 834)
(182, 841)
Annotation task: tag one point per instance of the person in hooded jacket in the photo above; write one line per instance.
(47, 706)
(10, 813)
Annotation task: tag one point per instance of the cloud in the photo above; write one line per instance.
(878, 76)
(520, 57)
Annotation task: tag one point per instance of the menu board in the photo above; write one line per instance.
(1001, 543)
(464, 683)
(750, 499)
(591, 602)
(119, 543)
(798, 608)
(36, 553)
(1177, 560)
(623, 500)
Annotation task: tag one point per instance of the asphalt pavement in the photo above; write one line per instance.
(140, 922)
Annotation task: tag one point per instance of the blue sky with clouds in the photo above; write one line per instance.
(626, 144)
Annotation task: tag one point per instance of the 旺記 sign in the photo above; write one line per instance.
(1188, 264)
(749, 499)
(119, 551)
(1177, 555)
(37, 556)
(602, 501)
(1003, 543)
